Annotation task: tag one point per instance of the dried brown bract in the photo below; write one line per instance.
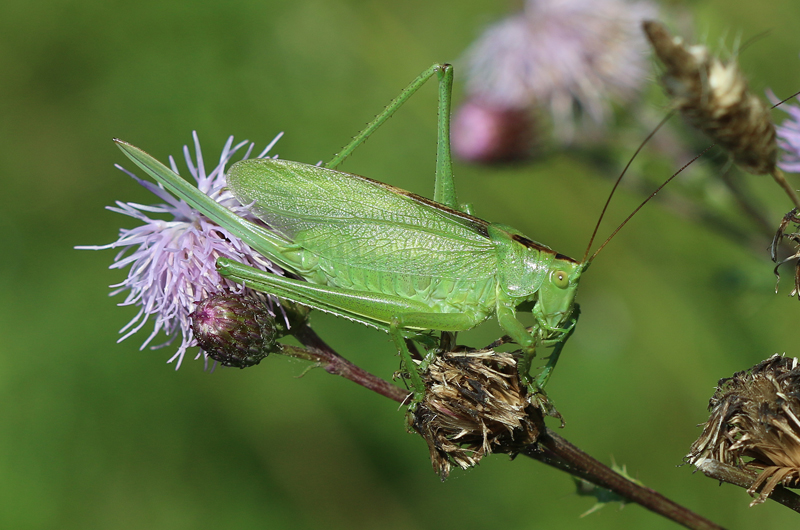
(794, 238)
(754, 415)
(474, 406)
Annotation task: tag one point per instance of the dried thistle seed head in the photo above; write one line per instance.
(234, 329)
(794, 238)
(713, 97)
(474, 406)
(754, 415)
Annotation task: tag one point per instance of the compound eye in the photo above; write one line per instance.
(560, 279)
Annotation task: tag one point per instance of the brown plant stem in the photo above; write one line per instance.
(550, 448)
(555, 451)
(744, 478)
(318, 351)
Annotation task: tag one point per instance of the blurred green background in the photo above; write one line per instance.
(96, 434)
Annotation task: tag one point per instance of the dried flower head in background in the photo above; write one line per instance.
(712, 95)
(474, 406)
(794, 238)
(172, 260)
(568, 58)
(789, 142)
(754, 415)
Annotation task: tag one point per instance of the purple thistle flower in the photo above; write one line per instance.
(789, 138)
(561, 56)
(487, 134)
(172, 262)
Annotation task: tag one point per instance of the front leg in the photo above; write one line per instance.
(407, 361)
(528, 340)
(558, 344)
(425, 320)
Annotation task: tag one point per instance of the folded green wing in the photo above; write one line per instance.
(363, 223)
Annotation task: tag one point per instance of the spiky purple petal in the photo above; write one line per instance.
(789, 139)
(172, 260)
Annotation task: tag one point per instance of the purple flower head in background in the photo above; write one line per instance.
(570, 58)
(789, 138)
(172, 260)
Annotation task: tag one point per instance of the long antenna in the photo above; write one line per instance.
(616, 184)
(689, 163)
(781, 102)
(619, 179)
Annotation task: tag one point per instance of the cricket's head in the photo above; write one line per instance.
(557, 293)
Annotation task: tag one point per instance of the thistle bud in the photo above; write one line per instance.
(474, 405)
(754, 415)
(235, 330)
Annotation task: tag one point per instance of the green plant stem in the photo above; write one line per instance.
(318, 352)
(780, 178)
